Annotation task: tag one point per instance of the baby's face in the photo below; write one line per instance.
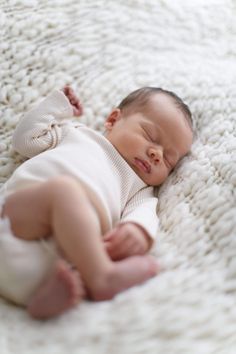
(153, 140)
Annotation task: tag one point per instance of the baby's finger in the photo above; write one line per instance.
(66, 89)
(79, 108)
(109, 249)
(110, 234)
(112, 245)
(106, 245)
(121, 251)
(77, 112)
(118, 239)
(72, 100)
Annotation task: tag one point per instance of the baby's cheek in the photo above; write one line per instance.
(161, 175)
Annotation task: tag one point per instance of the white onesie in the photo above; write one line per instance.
(56, 146)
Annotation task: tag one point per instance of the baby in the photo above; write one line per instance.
(83, 204)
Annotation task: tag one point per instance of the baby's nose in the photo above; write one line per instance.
(156, 154)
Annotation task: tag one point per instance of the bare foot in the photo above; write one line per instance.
(63, 290)
(125, 274)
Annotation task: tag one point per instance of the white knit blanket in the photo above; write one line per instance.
(105, 49)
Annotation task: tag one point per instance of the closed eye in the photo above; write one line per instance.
(149, 137)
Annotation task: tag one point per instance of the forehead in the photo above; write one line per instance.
(160, 103)
(162, 113)
(161, 108)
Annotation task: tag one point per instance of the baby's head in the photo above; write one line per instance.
(152, 129)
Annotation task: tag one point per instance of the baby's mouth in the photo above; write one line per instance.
(143, 165)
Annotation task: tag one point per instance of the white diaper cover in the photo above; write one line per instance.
(23, 264)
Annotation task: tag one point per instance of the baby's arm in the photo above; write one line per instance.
(136, 232)
(42, 127)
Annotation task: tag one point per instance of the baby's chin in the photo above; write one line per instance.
(154, 182)
(145, 179)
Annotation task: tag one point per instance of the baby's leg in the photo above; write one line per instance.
(61, 207)
(61, 291)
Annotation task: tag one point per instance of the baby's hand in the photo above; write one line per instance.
(74, 101)
(126, 240)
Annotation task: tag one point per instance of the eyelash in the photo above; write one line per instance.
(149, 137)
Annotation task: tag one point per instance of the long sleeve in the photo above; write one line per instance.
(141, 209)
(41, 128)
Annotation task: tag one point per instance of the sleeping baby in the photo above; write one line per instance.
(78, 218)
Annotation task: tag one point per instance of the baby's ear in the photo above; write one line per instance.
(113, 117)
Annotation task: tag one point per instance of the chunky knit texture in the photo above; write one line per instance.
(106, 49)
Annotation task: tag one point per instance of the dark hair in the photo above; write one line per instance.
(141, 96)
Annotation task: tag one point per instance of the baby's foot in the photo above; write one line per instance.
(125, 274)
(63, 290)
